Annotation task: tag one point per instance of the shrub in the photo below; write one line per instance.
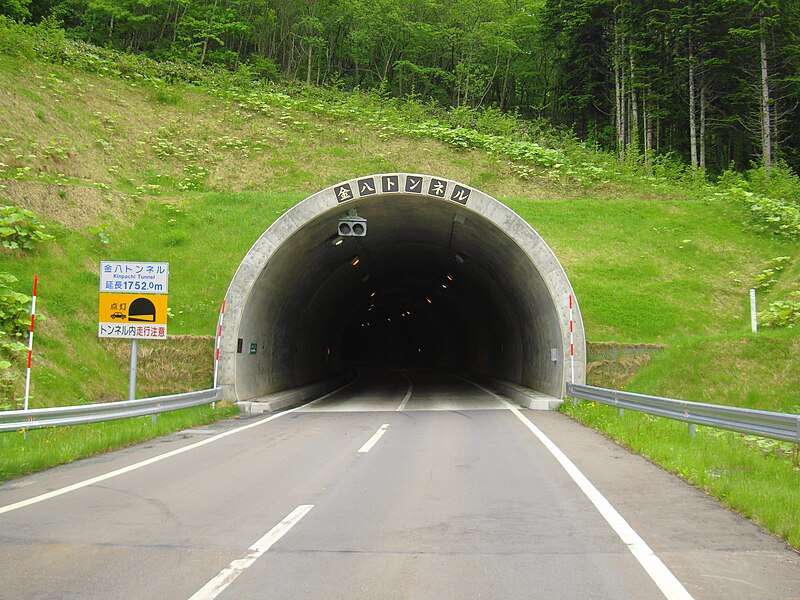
(14, 308)
(778, 182)
(782, 313)
(493, 121)
(461, 117)
(264, 68)
(777, 214)
(169, 96)
(766, 278)
(20, 229)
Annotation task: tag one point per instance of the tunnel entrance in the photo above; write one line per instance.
(445, 277)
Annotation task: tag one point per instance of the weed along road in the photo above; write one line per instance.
(405, 484)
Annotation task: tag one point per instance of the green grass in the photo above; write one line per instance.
(203, 237)
(746, 370)
(648, 271)
(44, 448)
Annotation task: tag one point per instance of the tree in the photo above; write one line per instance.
(16, 9)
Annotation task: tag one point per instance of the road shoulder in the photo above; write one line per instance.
(712, 550)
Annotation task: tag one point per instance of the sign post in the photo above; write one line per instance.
(133, 305)
(133, 366)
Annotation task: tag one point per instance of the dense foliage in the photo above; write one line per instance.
(715, 81)
(20, 230)
(14, 318)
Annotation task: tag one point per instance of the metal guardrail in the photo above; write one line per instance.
(15, 420)
(776, 426)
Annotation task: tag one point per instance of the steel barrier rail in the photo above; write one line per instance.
(15, 420)
(776, 426)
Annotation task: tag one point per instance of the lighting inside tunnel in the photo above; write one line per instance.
(486, 293)
(334, 240)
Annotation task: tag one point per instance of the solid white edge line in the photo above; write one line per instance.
(657, 570)
(407, 397)
(480, 387)
(135, 466)
(227, 576)
(374, 439)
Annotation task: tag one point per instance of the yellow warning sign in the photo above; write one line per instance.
(136, 309)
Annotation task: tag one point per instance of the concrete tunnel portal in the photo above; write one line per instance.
(446, 277)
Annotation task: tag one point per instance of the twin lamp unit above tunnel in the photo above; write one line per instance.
(352, 225)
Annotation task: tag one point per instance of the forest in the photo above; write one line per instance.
(714, 82)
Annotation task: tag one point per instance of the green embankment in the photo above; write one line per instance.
(126, 168)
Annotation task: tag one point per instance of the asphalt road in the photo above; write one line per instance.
(403, 485)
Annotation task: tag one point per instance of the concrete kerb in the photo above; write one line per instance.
(523, 396)
(520, 395)
(294, 397)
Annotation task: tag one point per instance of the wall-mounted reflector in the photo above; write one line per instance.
(355, 260)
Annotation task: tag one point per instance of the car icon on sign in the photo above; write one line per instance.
(117, 315)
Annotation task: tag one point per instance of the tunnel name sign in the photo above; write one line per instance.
(133, 300)
(409, 184)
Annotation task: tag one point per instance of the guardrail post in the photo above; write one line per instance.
(692, 430)
(620, 411)
(570, 394)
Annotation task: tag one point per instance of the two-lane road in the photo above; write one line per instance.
(407, 484)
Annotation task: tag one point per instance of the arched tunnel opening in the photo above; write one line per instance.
(445, 277)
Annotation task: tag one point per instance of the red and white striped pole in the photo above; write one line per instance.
(217, 344)
(30, 342)
(571, 341)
